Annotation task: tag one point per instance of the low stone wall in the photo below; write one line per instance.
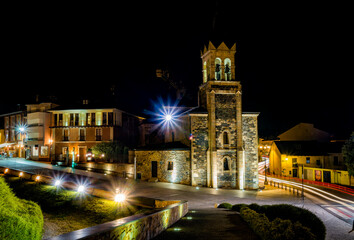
(126, 169)
(143, 226)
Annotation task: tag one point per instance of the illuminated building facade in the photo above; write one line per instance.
(75, 130)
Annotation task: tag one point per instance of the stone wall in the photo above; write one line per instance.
(143, 226)
(250, 140)
(179, 158)
(199, 149)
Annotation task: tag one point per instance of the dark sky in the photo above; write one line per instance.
(294, 61)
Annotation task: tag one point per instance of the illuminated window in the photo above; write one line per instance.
(44, 151)
(217, 69)
(205, 73)
(227, 65)
(307, 160)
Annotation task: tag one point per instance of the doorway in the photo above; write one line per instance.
(154, 169)
(82, 154)
(327, 176)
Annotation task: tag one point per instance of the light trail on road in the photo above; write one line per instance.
(344, 210)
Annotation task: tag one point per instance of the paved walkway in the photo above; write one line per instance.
(209, 224)
(198, 199)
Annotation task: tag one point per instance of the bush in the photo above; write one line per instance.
(237, 207)
(225, 205)
(294, 214)
(278, 229)
(19, 219)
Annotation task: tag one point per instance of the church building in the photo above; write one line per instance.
(217, 144)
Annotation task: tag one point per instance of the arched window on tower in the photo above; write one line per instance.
(227, 64)
(217, 69)
(205, 73)
(226, 164)
(225, 138)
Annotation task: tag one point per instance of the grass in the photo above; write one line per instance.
(66, 211)
(19, 218)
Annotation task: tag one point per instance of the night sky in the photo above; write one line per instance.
(294, 61)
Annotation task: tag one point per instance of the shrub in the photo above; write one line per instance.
(278, 229)
(237, 207)
(295, 214)
(225, 205)
(19, 219)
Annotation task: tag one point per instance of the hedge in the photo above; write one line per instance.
(294, 214)
(278, 229)
(19, 218)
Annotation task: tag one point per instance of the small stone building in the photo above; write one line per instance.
(222, 148)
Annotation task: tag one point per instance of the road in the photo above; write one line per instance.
(334, 209)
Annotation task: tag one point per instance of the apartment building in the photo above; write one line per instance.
(76, 129)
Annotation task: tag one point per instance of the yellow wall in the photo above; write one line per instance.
(2, 136)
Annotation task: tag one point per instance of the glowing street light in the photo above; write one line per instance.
(168, 117)
(81, 189)
(120, 197)
(6, 170)
(21, 174)
(57, 183)
(38, 178)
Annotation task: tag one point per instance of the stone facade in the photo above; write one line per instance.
(250, 140)
(199, 149)
(172, 165)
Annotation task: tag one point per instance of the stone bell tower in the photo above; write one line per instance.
(220, 96)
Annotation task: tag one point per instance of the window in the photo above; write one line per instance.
(225, 138)
(44, 151)
(205, 74)
(55, 119)
(60, 119)
(98, 134)
(88, 119)
(307, 160)
(318, 162)
(335, 161)
(35, 151)
(104, 118)
(170, 166)
(227, 64)
(93, 119)
(82, 134)
(110, 118)
(76, 119)
(226, 164)
(65, 134)
(71, 119)
(217, 69)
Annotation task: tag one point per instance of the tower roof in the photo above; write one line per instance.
(221, 46)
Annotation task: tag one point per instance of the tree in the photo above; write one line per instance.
(348, 155)
(111, 150)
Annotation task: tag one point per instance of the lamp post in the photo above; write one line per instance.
(50, 150)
